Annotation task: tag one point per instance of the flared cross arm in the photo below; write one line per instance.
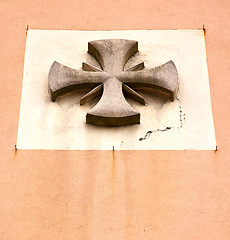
(161, 80)
(63, 80)
(112, 54)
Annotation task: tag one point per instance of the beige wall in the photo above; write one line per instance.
(101, 194)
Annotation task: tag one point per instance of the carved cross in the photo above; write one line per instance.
(111, 81)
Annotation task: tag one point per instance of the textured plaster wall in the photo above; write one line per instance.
(122, 194)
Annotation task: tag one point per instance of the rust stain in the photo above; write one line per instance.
(216, 150)
(130, 209)
(15, 152)
(113, 166)
(113, 176)
(204, 30)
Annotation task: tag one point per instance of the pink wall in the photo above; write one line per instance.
(129, 194)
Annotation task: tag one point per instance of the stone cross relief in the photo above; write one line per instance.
(111, 82)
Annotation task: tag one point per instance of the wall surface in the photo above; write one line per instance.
(122, 194)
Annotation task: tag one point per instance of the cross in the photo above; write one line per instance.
(111, 81)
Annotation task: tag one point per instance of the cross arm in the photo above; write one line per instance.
(162, 80)
(63, 80)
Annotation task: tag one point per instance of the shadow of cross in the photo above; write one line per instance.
(111, 81)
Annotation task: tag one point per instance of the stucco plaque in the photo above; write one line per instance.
(185, 123)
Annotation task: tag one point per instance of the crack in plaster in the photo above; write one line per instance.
(148, 134)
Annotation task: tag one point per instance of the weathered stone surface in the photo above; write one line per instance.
(111, 81)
